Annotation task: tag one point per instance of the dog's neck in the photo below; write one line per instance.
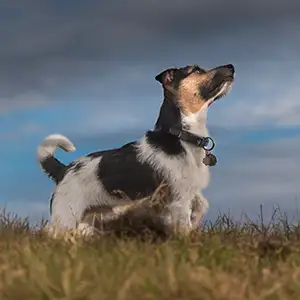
(170, 116)
(195, 123)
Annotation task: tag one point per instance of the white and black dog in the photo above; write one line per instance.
(173, 153)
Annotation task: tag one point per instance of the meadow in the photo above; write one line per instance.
(226, 260)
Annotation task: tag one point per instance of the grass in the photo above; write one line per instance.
(226, 260)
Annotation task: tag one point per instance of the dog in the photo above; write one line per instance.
(173, 153)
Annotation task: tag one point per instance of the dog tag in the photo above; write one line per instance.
(210, 160)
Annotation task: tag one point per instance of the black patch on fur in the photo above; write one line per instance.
(209, 91)
(179, 75)
(75, 166)
(168, 143)
(107, 152)
(176, 74)
(54, 168)
(169, 115)
(78, 166)
(119, 170)
(51, 202)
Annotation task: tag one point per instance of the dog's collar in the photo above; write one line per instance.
(207, 143)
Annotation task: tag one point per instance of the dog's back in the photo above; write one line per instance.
(107, 177)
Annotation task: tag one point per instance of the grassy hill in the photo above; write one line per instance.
(225, 260)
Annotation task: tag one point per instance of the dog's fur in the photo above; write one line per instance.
(139, 219)
(138, 168)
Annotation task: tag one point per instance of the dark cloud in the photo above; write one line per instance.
(48, 46)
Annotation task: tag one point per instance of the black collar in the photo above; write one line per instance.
(191, 138)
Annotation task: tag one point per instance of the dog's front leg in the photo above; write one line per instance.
(180, 215)
(200, 207)
(86, 230)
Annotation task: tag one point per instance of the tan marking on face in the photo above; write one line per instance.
(189, 99)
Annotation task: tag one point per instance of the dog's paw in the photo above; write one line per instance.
(182, 228)
(86, 230)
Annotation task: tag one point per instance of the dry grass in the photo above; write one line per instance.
(226, 261)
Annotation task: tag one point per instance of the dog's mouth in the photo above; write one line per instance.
(224, 88)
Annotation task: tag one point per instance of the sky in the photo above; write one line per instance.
(86, 69)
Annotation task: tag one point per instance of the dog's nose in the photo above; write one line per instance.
(230, 67)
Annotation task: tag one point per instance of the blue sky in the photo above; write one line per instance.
(87, 70)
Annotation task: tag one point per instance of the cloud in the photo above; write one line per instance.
(255, 102)
(52, 49)
(250, 175)
(23, 101)
(20, 132)
(261, 97)
(269, 97)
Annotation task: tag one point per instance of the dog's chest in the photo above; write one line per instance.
(186, 172)
(197, 171)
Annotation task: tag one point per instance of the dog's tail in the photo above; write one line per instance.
(45, 154)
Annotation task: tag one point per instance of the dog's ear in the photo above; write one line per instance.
(166, 77)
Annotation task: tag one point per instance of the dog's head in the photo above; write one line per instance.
(192, 88)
